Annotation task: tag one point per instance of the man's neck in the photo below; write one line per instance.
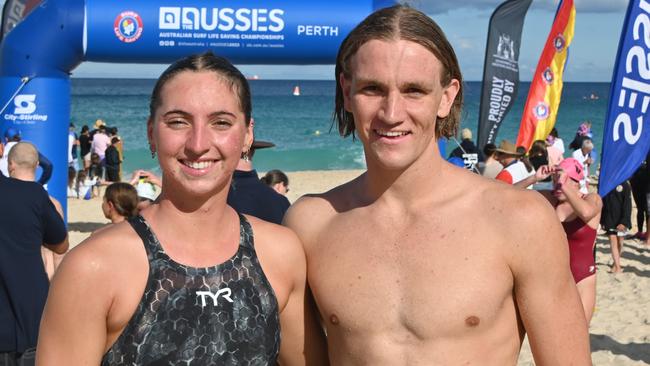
(22, 174)
(408, 185)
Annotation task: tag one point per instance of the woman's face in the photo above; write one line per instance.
(561, 182)
(199, 132)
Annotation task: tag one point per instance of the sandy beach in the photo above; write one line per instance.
(620, 328)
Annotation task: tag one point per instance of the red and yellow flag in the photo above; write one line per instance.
(545, 91)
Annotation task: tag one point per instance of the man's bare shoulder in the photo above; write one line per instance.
(280, 241)
(507, 209)
(311, 212)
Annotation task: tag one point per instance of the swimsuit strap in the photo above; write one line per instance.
(144, 232)
(246, 238)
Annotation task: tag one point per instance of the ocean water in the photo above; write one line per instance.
(301, 126)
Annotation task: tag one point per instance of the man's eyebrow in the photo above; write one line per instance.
(416, 85)
(366, 80)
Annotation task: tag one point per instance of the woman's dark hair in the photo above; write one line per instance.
(554, 132)
(124, 198)
(538, 149)
(399, 22)
(522, 151)
(272, 177)
(84, 128)
(206, 62)
(489, 150)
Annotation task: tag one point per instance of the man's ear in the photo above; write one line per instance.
(346, 86)
(448, 97)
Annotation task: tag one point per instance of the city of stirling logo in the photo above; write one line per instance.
(128, 26)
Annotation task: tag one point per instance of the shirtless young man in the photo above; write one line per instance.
(417, 262)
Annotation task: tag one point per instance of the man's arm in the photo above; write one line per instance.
(55, 233)
(73, 326)
(47, 167)
(303, 339)
(545, 292)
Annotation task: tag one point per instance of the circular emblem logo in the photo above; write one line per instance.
(559, 42)
(541, 110)
(547, 75)
(128, 26)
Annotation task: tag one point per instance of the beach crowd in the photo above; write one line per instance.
(422, 259)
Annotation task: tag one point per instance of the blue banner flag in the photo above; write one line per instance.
(626, 139)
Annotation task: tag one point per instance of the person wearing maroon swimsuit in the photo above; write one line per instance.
(580, 216)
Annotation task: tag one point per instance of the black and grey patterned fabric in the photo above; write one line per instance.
(221, 315)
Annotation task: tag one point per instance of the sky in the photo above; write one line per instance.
(465, 22)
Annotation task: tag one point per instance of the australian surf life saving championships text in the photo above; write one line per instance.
(183, 22)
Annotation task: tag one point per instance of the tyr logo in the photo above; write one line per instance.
(224, 293)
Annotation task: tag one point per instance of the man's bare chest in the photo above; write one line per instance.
(427, 279)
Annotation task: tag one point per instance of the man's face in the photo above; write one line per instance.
(395, 95)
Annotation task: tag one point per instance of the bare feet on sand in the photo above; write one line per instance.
(615, 269)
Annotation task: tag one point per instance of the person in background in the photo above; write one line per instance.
(470, 154)
(12, 137)
(554, 140)
(583, 155)
(250, 196)
(100, 143)
(119, 145)
(73, 148)
(580, 216)
(615, 219)
(146, 184)
(538, 156)
(120, 203)
(639, 183)
(71, 189)
(492, 166)
(277, 180)
(29, 221)
(23, 160)
(96, 170)
(87, 187)
(112, 161)
(583, 132)
(514, 170)
(84, 146)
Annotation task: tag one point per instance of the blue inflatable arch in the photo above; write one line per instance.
(45, 45)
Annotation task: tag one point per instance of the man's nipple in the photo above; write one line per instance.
(334, 319)
(472, 321)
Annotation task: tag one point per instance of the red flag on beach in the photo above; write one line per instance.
(545, 91)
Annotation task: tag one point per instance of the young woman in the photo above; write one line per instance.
(189, 281)
(580, 216)
(120, 202)
(277, 180)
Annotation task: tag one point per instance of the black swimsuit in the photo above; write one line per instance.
(221, 315)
